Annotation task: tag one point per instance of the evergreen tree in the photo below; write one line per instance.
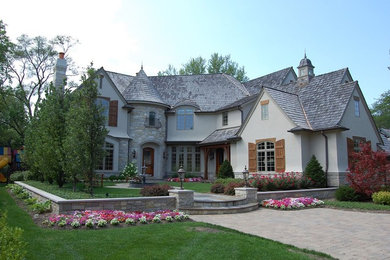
(85, 131)
(226, 170)
(314, 171)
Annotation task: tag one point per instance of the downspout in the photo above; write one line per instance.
(326, 155)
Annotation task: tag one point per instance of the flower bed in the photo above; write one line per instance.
(101, 218)
(292, 203)
(281, 181)
(195, 179)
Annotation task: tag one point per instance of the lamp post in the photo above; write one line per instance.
(245, 173)
(181, 172)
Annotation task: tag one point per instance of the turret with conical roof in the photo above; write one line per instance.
(141, 89)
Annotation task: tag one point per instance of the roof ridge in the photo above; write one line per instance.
(288, 68)
(283, 91)
(331, 72)
(186, 75)
(119, 73)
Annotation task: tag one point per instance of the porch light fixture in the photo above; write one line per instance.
(245, 173)
(181, 172)
(134, 153)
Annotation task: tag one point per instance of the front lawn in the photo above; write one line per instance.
(188, 240)
(356, 205)
(202, 187)
(66, 191)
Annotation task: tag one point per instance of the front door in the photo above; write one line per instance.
(148, 160)
(219, 160)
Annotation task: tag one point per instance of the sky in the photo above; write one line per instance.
(262, 36)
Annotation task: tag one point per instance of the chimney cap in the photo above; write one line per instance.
(61, 55)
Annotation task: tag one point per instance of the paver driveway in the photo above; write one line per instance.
(341, 234)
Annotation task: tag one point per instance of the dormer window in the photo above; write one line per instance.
(185, 119)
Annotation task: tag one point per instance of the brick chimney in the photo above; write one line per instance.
(59, 79)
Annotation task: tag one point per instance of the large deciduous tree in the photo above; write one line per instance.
(85, 131)
(216, 64)
(381, 110)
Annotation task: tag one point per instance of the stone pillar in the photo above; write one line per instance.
(250, 194)
(184, 198)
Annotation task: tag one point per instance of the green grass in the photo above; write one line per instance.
(356, 205)
(66, 191)
(195, 186)
(188, 240)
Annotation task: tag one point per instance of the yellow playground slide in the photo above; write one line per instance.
(3, 162)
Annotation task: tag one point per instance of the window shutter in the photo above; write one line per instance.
(350, 149)
(280, 164)
(252, 157)
(113, 114)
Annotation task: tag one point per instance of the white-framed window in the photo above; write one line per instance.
(104, 103)
(225, 118)
(264, 111)
(152, 118)
(185, 119)
(186, 156)
(356, 106)
(108, 160)
(266, 156)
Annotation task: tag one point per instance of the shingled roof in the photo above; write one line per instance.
(141, 89)
(209, 91)
(274, 79)
(121, 81)
(220, 136)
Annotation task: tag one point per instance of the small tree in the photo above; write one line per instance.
(369, 170)
(226, 170)
(314, 171)
(85, 131)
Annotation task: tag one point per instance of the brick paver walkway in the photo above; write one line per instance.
(341, 234)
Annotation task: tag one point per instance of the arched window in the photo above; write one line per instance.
(108, 160)
(152, 118)
(266, 156)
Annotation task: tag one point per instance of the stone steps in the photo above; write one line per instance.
(221, 210)
(199, 203)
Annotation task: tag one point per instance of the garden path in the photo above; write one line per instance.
(339, 233)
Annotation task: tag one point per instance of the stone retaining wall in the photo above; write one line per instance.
(323, 193)
(61, 205)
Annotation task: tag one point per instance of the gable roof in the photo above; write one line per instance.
(120, 80)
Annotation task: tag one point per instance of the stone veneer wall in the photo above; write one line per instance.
(323, 193)
(60, 205)
(142, 136)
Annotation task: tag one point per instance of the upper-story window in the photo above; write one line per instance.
(356, 106)
(105, 104)
(225, 118)
(152, 118)
(264, 110)
(185, 119)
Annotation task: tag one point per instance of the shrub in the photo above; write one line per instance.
(155, 190)
(368, 171)
(305, 182)
(227, 180)
(113, 177)
(381, 197)
(23, 195)
(226, 170)
(229, 189)
(314, 171)
(130, 170)
(284, 181)
(218, 188)
(346, 193)
(31, 201)
(17, 176)
(11, 244)
(42, 207)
